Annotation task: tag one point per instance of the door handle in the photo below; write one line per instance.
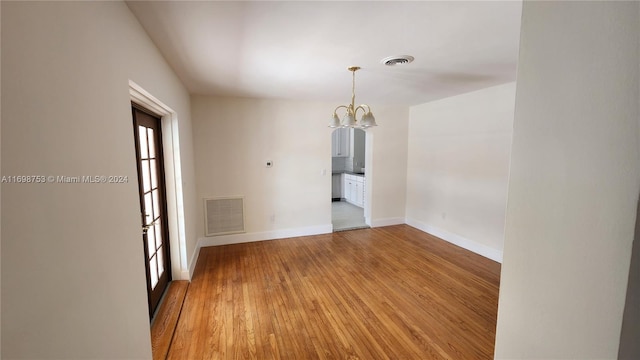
(146, 227)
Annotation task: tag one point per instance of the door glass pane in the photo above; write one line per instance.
(142, 132)
(148, 208)
(160, 262)
(146, 177)
(154, 176)
(152, 144)
(158, 233)
(151, 240)
(154, 272)
(156, 204)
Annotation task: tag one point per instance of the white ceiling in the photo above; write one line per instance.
(301, 49)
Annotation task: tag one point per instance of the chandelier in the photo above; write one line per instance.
(349, 119)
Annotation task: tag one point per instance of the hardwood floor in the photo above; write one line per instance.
(166, 320)
(383, 293)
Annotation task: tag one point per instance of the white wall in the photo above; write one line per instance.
(233, 140)
(73, 285)
(458, 168)
(234, 137)
(386, 168)
(574, 182)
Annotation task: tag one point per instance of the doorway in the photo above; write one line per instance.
(348, 189)
(153, 204)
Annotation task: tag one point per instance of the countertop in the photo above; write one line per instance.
(334, 172)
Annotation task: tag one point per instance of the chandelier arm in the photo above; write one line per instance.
(341, 106)
(364, 107)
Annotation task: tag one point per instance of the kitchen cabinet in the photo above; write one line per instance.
(336, 186)
(353, 189)
(348, 187)
(359, 192)
(340, 142)
(357, 149)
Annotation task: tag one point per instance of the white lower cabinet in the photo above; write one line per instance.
(359, 198)
(346, 185)
(353, 189)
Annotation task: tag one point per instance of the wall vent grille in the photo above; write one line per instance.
(224, 216)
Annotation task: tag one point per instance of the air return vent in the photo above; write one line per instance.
(224, 216)
(397, 60)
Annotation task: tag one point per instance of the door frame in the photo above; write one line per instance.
(173, 174)
(368, 172)
(368, 175)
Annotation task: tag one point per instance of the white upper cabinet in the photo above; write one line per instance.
(340, 142)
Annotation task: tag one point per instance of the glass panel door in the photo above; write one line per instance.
(152, 204)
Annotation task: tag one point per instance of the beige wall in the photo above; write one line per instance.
(234, 137)
(574, 182)
(76, 285)
(458, 168)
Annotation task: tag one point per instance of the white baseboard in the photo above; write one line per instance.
(480, 249)
(387, 222)
(264, 235)
(194, 260)
(255, 236)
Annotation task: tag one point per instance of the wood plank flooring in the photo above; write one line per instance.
(383, 293)
(166, 319)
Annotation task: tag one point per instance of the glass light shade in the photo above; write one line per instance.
(335, 121)
(368, 120)
(349, 119)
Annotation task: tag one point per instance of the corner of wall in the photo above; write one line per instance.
(188, 273)
(448, 192)
(455, 239)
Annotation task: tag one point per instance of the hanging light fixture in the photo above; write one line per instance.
(349, 120)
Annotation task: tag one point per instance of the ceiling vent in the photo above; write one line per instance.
(397, 60)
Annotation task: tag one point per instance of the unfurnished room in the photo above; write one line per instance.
(319, 180)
